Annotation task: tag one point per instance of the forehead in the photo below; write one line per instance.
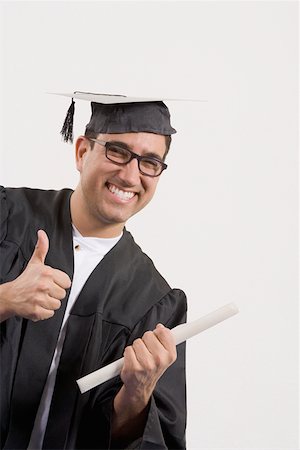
(141, 143)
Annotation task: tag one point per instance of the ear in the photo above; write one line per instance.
(82, 145)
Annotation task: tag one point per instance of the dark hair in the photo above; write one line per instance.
(93, 135)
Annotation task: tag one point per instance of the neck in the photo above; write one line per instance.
(87, 224)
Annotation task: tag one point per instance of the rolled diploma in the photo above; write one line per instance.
(181, 333)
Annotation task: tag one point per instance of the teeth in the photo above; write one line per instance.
(123, 195)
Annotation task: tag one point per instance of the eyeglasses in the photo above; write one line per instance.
(148, 165)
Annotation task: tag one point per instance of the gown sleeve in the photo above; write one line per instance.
(12, 263)
(166, 421)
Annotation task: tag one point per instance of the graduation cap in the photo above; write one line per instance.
(120, 114)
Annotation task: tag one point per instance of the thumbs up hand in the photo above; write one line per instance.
(37, 293)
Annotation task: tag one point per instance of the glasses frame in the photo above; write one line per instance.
(132, 156)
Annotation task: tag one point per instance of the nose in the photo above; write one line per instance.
(130, 173)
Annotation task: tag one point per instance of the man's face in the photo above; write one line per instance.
(110, 194)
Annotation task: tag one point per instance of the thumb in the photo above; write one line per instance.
(41, 248)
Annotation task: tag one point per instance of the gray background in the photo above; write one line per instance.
(223, 225)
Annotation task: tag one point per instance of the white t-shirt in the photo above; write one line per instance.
(88, 252)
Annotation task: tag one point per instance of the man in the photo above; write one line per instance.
(86, 294)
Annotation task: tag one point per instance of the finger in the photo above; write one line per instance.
(137, 363)
(50, 303)
(61, 279)
(130, 359)
(142, 354)
(57, 292)
(41, 248)
(132, 372)
(166, 338)
(40, 314)
(162, 355)
(152, 342)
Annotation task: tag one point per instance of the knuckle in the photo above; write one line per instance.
(172, 356)
(163, 332)
(43, 285)
(49, 271)
(67, 282)
(33, 318)
(35, 314)
(158, 360)
(137, 342)
(147, 334)
(56, 305)
(126, 351)
(64, 279)
(61, 295)
(49, 315)
(46, 272)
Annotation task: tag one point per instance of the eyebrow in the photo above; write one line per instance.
(127, 147)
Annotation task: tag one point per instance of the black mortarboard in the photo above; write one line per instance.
(120, 114)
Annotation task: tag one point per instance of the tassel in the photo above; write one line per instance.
(67, 128)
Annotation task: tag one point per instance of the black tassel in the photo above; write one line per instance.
(67, 128)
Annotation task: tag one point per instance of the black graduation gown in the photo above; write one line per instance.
(123, 297)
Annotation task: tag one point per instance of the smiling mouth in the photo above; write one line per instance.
(122, 195)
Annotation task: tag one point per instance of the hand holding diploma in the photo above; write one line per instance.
(180, 333)
(144, 363)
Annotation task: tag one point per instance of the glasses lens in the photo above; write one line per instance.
(150, 166)
(120, 155)
(117, 154)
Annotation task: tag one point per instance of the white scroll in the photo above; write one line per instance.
(181, 333)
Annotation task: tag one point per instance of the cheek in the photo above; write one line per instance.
(89, 166)
(150, 188)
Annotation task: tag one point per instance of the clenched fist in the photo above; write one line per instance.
(144, 363)
(146, 360)
(37, 293)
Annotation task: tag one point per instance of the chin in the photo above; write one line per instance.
(113, 219)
